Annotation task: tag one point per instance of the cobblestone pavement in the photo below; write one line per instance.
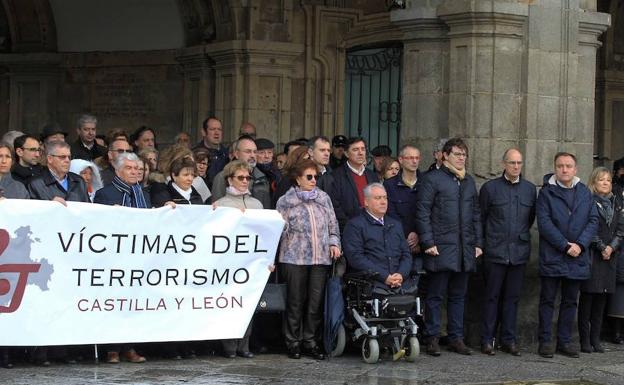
(450, 368)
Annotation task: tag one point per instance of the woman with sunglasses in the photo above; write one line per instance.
(309, 242)
(237, 178)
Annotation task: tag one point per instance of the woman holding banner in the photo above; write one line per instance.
(237, 177)
(9, 189)
(309, 242)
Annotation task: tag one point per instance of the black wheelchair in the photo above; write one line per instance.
(380, 319)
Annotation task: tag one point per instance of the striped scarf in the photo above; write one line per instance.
(129, 192)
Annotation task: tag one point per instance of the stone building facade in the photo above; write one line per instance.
(500, 73)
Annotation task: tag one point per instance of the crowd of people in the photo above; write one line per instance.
(390, 219)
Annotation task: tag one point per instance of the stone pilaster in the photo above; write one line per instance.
(425, 74)
(486, 51)
(197, 70)
(560, 67)
(33, 90)
(253, 82)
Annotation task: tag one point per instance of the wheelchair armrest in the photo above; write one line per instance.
(361, 275)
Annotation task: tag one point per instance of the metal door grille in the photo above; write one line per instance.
(373, 95)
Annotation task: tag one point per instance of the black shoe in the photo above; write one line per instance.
(511, 348)
(433, 347)
(618, 340)
(546, 350)
(294, 352)
(229, 355)
(315, 353)
(245, 354)
(458, 346)
(567, 350)
(4, 360)
(598, 348)
(586, 347)
(487, 348)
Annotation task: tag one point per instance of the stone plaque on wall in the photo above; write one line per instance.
(128, 97)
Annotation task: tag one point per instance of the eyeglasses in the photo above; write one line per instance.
(411, 158)
(242, 177)
(310, 176)
(459, 154)
(121, 151)
(514, 163)
(32, 149)
(62, 157)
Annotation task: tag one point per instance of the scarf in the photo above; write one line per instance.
(307, 195)
(460, 174)
(606, 206)
(129, 192)
(233, 191)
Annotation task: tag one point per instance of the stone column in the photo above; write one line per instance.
(425, 77)
(33, 89)
(485, 77)
(198, 73)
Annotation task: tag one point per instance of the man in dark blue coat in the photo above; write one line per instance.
(401, 191)
(448, 222)
(567, 220)
(507, 212)
(124, 190)
(374, 242)
(350, 180)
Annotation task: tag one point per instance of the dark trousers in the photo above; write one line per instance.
(590, 314)
(567, 309)
(304, 303)
(503, 285)
(454, 285)
(239, 344)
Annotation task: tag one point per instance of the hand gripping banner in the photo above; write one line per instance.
(87, 273)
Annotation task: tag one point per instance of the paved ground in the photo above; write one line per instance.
(450, 368)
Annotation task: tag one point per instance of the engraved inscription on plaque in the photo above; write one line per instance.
(122, 95)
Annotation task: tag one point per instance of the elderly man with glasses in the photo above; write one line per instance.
(56, 182)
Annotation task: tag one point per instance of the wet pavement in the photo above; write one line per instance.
(450, 368)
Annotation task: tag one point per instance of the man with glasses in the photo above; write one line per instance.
(116, 147)
(448, 223)
(56, 182)
(402, 199)
(28, 151)
(245, 149)
(507, 212)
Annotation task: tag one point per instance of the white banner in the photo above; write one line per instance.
(88, 273)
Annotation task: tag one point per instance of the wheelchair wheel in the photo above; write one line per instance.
(370, 350)
(412, 349)
(341, 341)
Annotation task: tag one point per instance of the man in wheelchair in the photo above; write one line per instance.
(375, 246)
(380, 296)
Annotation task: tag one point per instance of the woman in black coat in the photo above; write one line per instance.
(9, 189)
(179, 189)
(603, 251)
(616, 300)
